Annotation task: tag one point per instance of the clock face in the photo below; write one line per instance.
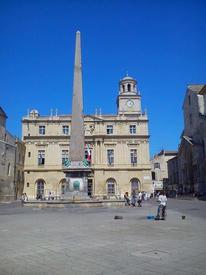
(129, 103)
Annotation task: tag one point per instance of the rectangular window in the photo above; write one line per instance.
(41, 157)
(65, 129)
(29, 154)
(27, 184)
(153, 176)
(90, 187)
(109, 129)
(42, 130)
(157, 165)
(132, 129)
(110, 156)
(133, 156)
(65, 156)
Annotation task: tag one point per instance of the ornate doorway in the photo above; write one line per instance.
(40, 188)
(62, 186)
(135, 184)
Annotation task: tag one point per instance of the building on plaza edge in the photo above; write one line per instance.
(187, 173)
(159, 169)
(12, 151)
(116, 149)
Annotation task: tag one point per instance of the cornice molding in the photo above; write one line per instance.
(92, 137)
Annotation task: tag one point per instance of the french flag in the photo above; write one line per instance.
(88, 153)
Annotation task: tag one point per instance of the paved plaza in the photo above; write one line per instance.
(74, 240)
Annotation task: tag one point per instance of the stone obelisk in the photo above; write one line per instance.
(76, 169)
(77, 124)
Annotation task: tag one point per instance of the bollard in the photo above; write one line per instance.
(118, 217)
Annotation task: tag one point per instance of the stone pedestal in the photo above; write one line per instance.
(76, 181)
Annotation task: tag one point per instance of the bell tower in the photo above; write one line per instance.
(129, 99)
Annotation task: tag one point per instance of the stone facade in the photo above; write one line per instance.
(116, 147)
(191, 153)
(12, 152)
(173, 174)
(160, 169)
(202, 141)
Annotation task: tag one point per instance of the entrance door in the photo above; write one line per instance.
(90, 187)
(63, 187)
(134, 185)
(40, 188)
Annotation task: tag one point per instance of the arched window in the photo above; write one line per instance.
(111, 187)
(129, 87)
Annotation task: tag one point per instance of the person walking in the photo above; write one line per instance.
(22, 199)
(161, 207)
(139, 200)
(133, 198)
(126, 199)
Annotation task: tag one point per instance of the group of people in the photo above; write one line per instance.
(136, 198)
(139, 197)
(50, 197)
(41, 197)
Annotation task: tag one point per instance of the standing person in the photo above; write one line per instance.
(143, 195)
(126, 198)
(22, 199)
(139, 200)
(25, 197)
(50, 196)
(133, 198)
(162, 206)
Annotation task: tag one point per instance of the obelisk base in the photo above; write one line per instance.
(77, 184)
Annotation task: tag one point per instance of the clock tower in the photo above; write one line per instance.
(129, 99)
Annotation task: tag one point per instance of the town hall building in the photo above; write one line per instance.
(116, 149)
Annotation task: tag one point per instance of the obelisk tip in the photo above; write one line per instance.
(78, 32)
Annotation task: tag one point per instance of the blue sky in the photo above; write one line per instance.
(160, 43)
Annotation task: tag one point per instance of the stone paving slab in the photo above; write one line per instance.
(90, 241)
